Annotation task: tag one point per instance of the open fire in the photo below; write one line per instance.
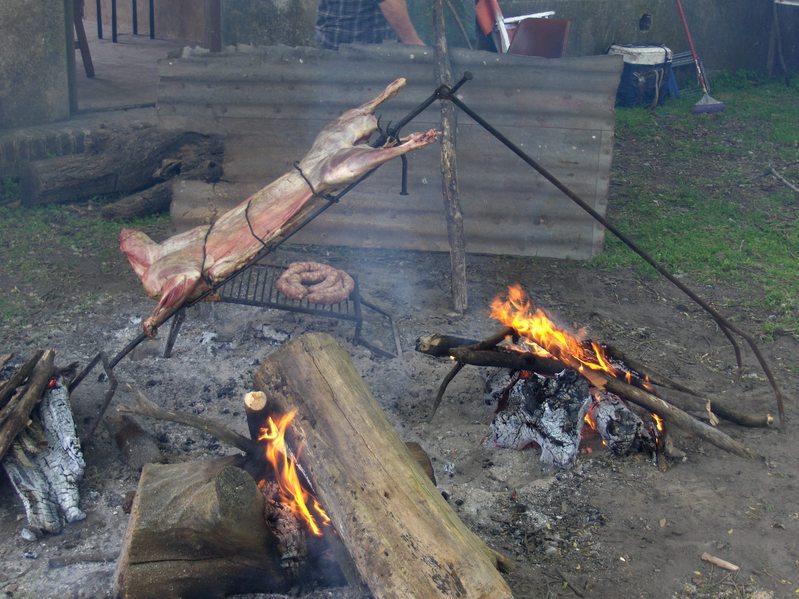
(603, 412)
(541, 336)
(292, 492)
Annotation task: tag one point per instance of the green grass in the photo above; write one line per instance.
(56, 250)
(691, 190)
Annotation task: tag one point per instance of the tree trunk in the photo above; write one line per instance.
(152, 200)
(403, 537)
(117, 162)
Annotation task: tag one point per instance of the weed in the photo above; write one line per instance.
(9, 190)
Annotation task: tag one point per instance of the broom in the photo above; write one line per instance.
(707, 103)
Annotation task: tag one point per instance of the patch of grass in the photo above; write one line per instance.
(695, 197)
(57, 250)
(9, 190)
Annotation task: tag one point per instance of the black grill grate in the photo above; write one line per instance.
(257, 286)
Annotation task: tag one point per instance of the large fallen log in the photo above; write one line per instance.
(403, 537)
(116, 162)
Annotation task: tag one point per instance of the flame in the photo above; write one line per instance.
(285, 466)
(589, 419)
(658, 422)
(541, 333)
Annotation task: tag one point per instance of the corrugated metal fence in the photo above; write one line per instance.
(275, 100)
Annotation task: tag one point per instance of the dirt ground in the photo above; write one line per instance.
(610, 527)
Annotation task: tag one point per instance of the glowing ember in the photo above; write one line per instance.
(291, 489)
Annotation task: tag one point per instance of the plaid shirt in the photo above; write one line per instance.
(351, 21)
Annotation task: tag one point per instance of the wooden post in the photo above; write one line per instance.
(404, 538)
(449, 168)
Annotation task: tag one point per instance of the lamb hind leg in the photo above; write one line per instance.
(177, 290)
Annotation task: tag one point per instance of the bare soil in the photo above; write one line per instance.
(610, 527)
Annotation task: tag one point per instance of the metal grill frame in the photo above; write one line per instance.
(256, 286)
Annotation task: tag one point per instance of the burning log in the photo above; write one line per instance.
(461, 349)
(551, 412)
(44, 460)
(619, 427)
(238, 538)
(403, 537)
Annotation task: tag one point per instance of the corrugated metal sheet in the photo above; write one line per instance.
(560, 111)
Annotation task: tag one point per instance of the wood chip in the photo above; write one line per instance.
(721, 563)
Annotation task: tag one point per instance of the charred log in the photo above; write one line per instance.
(619, 427)
(548, 412)
(45, 465)
(9, 387)
(15, 414)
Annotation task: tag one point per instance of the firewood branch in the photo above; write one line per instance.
(7, 389)
(142, 406)
(460, 348)
(486, 344)
(640, 397)
(772, 171)
(15, 414)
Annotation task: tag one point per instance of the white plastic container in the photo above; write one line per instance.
(642, 55)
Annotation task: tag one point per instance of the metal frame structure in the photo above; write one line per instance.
(256, 286)
(443, 93)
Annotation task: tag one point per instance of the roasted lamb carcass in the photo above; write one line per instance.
(184, 266)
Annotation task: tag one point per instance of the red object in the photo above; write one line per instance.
(529, 37)
(486, 12)
(699, 74)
